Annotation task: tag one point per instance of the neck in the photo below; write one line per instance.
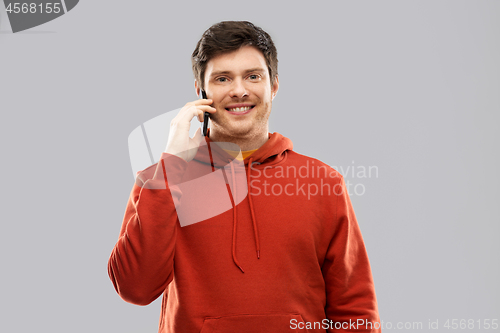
(249, 141)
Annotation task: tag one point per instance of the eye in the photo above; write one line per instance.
(221, 79)
(253, 77)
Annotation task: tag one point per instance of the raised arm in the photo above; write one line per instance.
(141, 263)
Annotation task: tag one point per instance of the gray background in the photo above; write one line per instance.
(410, 87)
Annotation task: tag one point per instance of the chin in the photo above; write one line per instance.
(239, 130)
(234, 130)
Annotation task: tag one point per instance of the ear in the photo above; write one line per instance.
(197, 88)
(275, 86)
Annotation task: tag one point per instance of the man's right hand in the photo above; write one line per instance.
(179, 142)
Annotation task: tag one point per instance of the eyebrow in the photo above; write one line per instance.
(257, 69)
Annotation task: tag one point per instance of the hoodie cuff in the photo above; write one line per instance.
(169, 171)
(170, 168)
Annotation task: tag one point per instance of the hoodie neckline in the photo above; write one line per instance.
(273, 151)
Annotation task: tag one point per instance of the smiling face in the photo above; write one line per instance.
(238, 82)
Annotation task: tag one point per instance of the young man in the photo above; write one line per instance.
(283, 252)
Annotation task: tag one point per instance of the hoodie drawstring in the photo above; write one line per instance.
(235, 216)
(233, 203)
(254, 222)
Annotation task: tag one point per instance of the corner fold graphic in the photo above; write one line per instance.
(70, 4)
(29, 14)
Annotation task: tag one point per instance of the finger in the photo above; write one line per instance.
(201, 102)
(197, 136)
(207, 108)
(187, 114)
(200, 113)
(201, 116)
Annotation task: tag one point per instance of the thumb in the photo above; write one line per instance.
(197, 137)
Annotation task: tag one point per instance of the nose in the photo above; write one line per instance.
(238, 89)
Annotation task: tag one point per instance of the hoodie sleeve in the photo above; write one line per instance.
(350, 291)
(141, 263)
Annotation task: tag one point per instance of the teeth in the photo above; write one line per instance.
(246, 108)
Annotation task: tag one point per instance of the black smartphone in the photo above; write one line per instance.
(206, 115)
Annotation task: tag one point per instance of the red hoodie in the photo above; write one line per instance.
(288, 257)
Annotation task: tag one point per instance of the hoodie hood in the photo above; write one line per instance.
(271, 153)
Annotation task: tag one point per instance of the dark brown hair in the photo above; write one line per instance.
(228, 36)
